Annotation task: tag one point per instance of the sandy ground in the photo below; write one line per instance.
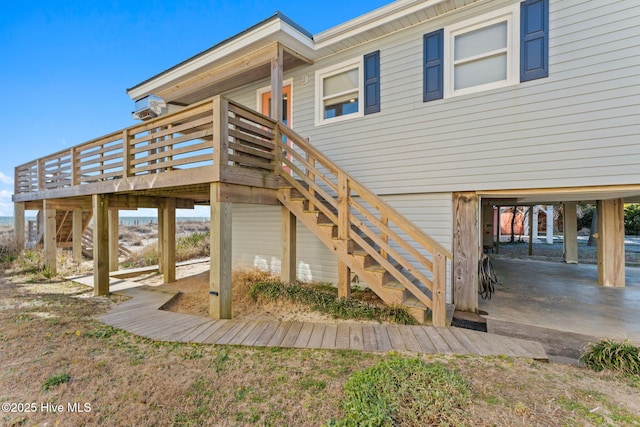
(192, 281)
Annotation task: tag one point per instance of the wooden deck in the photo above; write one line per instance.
(141, 316)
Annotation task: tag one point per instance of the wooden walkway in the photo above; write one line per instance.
(141, 316)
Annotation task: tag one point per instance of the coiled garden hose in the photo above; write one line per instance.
(487, 278)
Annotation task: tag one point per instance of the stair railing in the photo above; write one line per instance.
(399, 246)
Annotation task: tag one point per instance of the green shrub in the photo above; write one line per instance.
(55, 380)
(616, 356)
(405, 392)
(325, 300)
(632, 219)
(8, 252)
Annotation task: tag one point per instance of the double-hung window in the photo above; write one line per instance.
(482, 53)
(339, 91)
(498, 49)
(347, 90)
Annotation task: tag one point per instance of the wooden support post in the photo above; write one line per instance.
(160, 238)
(100, 244)
(312, 177)
(288, 268)
(49, 236)
(343, 207)
(383, 236)
(344, 280)
(220, 276)
(466, 246)
(114, 240)
(77, 235)
(220, 141)
(19, 225)
(126, 154)
(611, 260)
(277, 66)
(169, 240)
(570, 231)
(439, 309)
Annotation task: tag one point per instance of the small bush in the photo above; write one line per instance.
(56, 380)
(193, 246)
(616, 356)
(8, 251)
(325, 300)
(405, 392)
(188, 247)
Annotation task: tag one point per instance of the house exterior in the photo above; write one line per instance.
(444, 109)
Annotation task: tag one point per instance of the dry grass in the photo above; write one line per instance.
(53, 350)
(48, 331)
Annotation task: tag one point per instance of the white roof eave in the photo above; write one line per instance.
(274, 31)
(367, 22)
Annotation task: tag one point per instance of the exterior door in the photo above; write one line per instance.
(265, 107)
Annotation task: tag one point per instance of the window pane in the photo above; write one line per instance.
(481, 41)
(341, 106)
(340, 83)
(486, 70)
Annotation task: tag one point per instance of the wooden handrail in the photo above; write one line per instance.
(326, 184)
(379, 204)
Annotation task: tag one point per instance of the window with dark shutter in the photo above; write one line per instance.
(372, 82)
(433, 60)
(534, 41)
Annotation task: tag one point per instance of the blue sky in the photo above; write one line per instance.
(66, 63)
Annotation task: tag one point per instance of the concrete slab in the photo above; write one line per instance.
(564, 297)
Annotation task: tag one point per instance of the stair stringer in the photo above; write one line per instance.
(341, 248)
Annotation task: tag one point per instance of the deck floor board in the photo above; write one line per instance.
(141, 315)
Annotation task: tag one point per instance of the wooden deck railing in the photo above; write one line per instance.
(399, 246)
(217, 132)
(246, 147)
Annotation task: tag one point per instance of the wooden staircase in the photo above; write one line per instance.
(398, 261)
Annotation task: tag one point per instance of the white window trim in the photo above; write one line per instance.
(265, 89)
(512, 16)
(333, 70)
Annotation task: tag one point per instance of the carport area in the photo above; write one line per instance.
(561, 304)
(564, 304)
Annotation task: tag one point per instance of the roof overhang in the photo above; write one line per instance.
(249, 50)
(245, 57)
(388, 19)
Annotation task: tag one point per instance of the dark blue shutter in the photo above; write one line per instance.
(534, 39)
(433, 59)
(372, 82)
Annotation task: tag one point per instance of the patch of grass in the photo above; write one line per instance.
(325, 300)
(56, 380)
(220, 359)
(193, 246)
(612, 355)
(101, 331)
(405, 392)
(8, 251)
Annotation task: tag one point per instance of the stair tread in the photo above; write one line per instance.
(412, 301)
(393, 285)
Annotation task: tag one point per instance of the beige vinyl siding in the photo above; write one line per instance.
(256, 244)
(580, 126)
(256, 235)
